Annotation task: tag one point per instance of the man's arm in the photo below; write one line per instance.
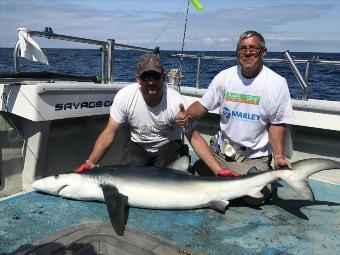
(195, 111)
(204, 152)
(103, 141)
(277, 136)
(101, 145)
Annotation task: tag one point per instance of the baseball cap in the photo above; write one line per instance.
(149, 62)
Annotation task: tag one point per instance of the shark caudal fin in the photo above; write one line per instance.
(302, 169)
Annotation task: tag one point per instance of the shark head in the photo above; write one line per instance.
(73, 185)
(54, 184)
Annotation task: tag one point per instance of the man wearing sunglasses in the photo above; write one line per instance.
(254, 105)
(150, 109)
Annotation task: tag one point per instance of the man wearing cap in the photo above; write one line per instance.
(150, 109)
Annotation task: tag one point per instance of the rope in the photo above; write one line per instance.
(4, 98)
(167, 26)
(183, 39)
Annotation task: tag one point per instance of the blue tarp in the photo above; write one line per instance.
(287, 224)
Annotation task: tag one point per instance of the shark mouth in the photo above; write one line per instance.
(62, 187)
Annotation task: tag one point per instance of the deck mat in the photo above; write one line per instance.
(100, 238)
(287, 224)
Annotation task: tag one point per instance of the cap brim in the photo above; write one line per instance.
(158, 70)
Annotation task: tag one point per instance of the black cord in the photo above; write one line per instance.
(166, 27)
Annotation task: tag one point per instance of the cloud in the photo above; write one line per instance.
(209, 30)
(264, 18)
(303, 45)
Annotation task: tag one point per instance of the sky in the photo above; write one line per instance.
(294, 25)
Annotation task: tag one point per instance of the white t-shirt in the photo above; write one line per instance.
(151, 127)
(248, 106)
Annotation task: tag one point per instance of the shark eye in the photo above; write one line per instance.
(56, 176)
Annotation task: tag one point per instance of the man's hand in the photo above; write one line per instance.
(227, 173)
(181, 118)
(85, 166)
(280, 161)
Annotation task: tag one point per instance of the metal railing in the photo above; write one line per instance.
(299, 77)
(302, 79)
(108, 48)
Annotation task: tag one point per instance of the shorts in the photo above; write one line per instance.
(134, 154)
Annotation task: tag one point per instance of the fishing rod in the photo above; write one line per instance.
(199, 8)
(182, 50)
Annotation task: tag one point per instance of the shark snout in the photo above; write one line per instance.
(39, 184)
(49, 185)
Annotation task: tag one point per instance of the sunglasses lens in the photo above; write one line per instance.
(148, 76)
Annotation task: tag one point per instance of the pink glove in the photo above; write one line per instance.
(227, 173)
(85, 166)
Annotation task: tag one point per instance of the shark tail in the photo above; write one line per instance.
(302, 169)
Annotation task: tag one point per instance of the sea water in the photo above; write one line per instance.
(324, 80)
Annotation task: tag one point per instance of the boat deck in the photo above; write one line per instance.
(287, 224)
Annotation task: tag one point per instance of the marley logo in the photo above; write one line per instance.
(242, 98)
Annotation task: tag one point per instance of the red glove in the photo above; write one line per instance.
(227, 173)
(85, 166)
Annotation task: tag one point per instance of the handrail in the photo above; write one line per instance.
(52, 35)
(297, 74)
(16, 55)
(108, 47)
(303, 81)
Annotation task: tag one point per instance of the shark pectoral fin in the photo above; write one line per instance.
(116, 207)
(219, 205)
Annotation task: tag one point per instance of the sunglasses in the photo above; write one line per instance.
(253, 49)
(150, 76)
